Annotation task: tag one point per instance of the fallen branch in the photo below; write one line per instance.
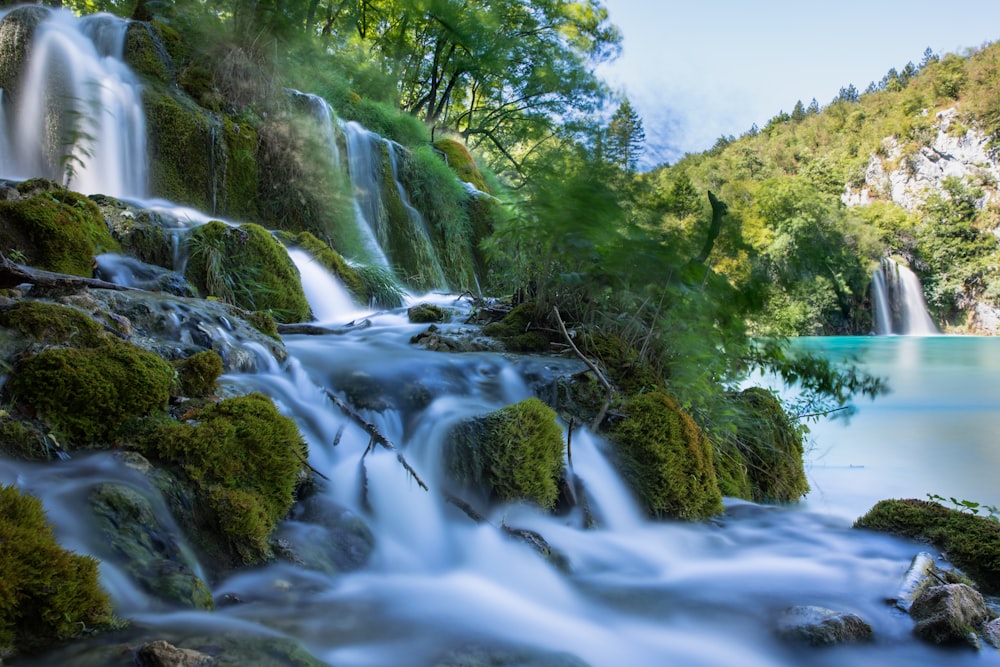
(316, 330)
(821, 413)
(608, 389)
(469, 510)
(13, 274)
(376, 436)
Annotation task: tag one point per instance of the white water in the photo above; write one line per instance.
(330, 301)
(78, 118)
(898, 301)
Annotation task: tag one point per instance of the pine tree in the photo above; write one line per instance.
(625, 138)
(799, 112)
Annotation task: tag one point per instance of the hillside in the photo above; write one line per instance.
(906, 169)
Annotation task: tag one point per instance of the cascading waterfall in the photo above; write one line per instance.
(328, 298)
(416, 220)
(77, 115)
(898, 300)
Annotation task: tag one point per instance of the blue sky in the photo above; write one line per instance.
(698, 69)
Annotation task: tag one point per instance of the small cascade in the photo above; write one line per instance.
(898, 300)
(328, 298)
(365, 170)
(5, 144)
(77, 115)
(417, 222)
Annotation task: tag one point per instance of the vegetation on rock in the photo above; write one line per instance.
(197, 374)
(666, 459)
(514, 453)
(971, 542)
(247, 267)
(46, 592)
(245, 460)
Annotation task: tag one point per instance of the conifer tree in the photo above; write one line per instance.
(625, 138)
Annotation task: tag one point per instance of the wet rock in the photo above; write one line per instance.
(921, 574)
(949, 614)
(423, 313)
(161, 654)
(818, 626)
(991, 633)
(327, 538)
(135, 538)
(464, 340)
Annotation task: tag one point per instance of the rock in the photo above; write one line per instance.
(818, 626)
(921, 574)
(991, 633)
(423, 313)
(493, 656)
(161, 654)
(949, 614)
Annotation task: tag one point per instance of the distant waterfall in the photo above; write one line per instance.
(898, 301)
(76, 116)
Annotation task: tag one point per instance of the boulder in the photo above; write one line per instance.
(162, 654)
(949, 614)
(819, 626)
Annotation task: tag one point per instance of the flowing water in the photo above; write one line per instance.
(898, 301)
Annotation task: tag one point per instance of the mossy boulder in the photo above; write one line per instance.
(245, 460)
(515, 453)
(146, 53)
(424, 313)
(134, 538)
(247, 267)
(767, 450)
(57, 230)
(971, 542)
(460, 160)
(625, 369)
(666, 459)
(87, 394)
(141, 233)
(519, 330)
(197, 374)
(47, 594)
(48, 324)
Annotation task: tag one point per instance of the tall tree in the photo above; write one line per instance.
(625, 138)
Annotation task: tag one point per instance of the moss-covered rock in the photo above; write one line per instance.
(87, 394)
(140, 232)
(245, 459)
(134, 538)
(460, 160)
(53, 324)
(146, 53)
(58, 230)
(768, 447)
(519, 331)
(247, 267)
(16, 31)
(515, 453)
(971, 542)
(21, 439)
(47, 593)
(625, 369)
(424, 313)
(666, 459)
(197, 374)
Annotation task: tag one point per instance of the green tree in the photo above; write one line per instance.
(798, 112)
(625, 138)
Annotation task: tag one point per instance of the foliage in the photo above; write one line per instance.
(245, 459)
(46, 592)
(623, 143)
(515, 453)
(666, 459)
(56, 230)
(247, 267)
(971, 542)
(381, 286)
(989, 511)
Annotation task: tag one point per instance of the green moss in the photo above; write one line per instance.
(515, 453)
(769, 448)
(624, 367)
(46, 592)
(331, 260)
(87, 394)
(971, 542)
(424, 313)
(666, 459)
(145, 52)
(460, 161)
(21, 440)
(246, 267)
(263, 322)
(197, 375)
(180, 149)
(59, 231)
(53, 324)
(244, 459)
(518, 330)
(381, 287)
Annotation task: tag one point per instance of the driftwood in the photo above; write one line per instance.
(469, 510)
(608, 389)
(316, 330)
(13, 274)
(376, 436)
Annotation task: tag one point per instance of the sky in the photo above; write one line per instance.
(696, 70)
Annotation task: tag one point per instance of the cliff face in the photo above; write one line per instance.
(906, 175)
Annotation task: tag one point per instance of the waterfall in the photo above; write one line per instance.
(898, 300)
(328, 299)
(416, 220)
(77, 115)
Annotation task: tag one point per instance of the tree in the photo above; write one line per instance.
(848, 94)
(625, 138)
(799, 112)
(813, 107)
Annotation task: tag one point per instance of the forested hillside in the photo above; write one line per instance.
(913, 156)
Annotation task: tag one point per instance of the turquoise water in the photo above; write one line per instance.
(937, 431)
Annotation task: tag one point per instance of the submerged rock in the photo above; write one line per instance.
(492, 656)
(949, 614)
(161, 654)
(819, 626)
